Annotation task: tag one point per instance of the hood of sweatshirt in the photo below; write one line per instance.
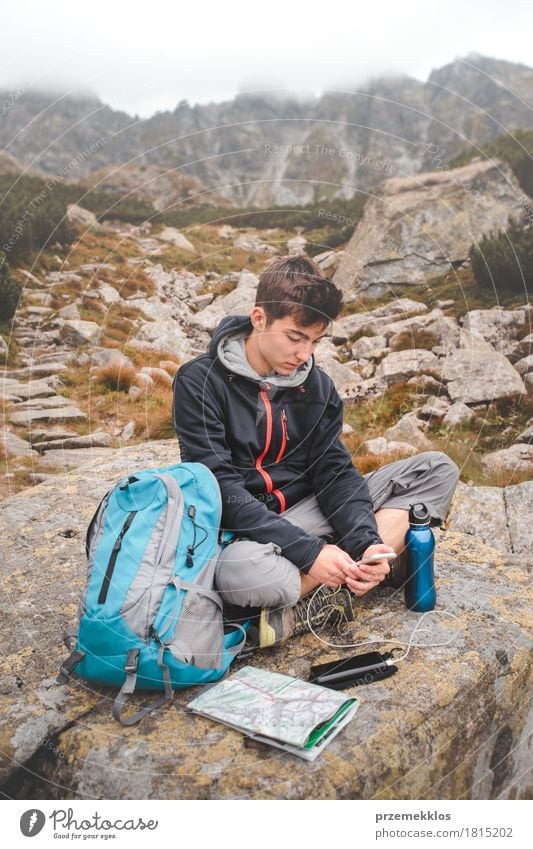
(228, 345)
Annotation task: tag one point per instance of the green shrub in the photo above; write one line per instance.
(514, 147)
(503, 261)
(10, 291)
(32, 215)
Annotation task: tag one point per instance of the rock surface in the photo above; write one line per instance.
(460, 732)
(477, 373)
(423, 226)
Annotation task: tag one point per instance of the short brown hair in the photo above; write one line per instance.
(295, 286)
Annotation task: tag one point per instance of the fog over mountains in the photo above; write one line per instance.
(265, 149)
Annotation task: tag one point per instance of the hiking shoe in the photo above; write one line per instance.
(325, 606)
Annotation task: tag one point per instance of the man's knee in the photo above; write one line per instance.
(444, 465)
(252, 574)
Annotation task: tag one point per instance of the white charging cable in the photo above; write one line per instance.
(382, 639)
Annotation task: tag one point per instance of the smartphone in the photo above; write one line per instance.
(375, 558)
(351, 671)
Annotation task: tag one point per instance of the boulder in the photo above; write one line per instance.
(27, 418)
(70, 312)
(519, 505)
(157, 373)
(497, 326)
(516, 458)
(31, 389)
(53, 402)
(79, 215)
(98, 439)
(13, 446)
(143, 380)
(434, 408)
(50, 434)
(370, 348)
(527, 433)
(477, 373)
(128, 432)
(362, 389)
(410, 429)
(525, 365)
(420, 227)
(458, 414)
(373, 321)
(95, 267)
(74, 333)
(170, 234)
(296, 245)
(101, 357)
(328, 259)
(68, 458)
(425, 381)
(401, 365)
(109, 294)
(380, 446)
(479, 511)
(239, 301)
(251, 242)
(4, 350)
(462, 727)
(166, 335)
(339, 372)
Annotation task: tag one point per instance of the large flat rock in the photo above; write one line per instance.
(479, 511)
(519, 507)
(415, 228)
(450, 724)
(32, 415)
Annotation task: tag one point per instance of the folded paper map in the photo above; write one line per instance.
(277, 709)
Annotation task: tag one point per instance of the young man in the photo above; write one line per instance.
(266, 420)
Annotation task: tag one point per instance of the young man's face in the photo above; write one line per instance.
(284, 345)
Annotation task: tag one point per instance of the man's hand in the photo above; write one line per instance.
(364, 577)
(330, 567)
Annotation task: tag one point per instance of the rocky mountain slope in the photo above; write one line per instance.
(103, 326)
(266, 149)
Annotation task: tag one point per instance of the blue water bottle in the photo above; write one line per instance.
(420, 593)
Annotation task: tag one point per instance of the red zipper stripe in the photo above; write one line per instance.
(266, 477)
(281, 498)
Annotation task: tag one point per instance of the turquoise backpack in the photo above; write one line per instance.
(150, 618)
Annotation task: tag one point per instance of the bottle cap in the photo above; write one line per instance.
(418, 514)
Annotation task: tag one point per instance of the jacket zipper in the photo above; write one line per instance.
(266, 477)
(285, 436)
(113, 559)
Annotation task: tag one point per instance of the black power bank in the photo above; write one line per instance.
(353, 671)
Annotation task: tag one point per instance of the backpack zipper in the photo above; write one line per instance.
(113, 558)
(191, 549)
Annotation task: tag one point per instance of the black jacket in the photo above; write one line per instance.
(269, 447)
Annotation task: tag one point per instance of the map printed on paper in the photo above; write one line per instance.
(270, 704)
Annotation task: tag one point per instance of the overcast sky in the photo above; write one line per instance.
(149, 55)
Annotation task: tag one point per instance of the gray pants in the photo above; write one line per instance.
(256, 574)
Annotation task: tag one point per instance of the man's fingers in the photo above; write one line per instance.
(374, 569)
(361, 587)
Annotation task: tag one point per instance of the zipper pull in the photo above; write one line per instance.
(284, 420)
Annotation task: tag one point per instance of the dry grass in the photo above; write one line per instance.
(109, 407)
(116, 377)
(416, 338)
